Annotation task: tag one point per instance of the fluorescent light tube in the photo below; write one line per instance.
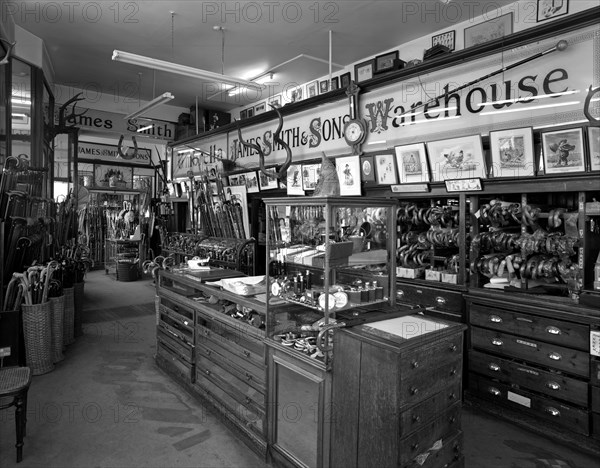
(140, 60)
(166, 97)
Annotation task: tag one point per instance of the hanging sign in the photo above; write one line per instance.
(87, 152)
(198, 156)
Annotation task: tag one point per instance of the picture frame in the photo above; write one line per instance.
(335, 83)
(512, 153)
(234, 180)
(275, 101)
(310, 175)
(489, 30)
(548, 9)
(323, 86)
(238, 194)
(268, 183)
(367, 168)
(260, 108)
(348, 171)
(562, 151)
(294, 180)
(386, 62)
(447, 39)
(594, 147)
(250, 112)
(345, 79)
(411, 162)
(385, 169)
(243, 114)
(291, 94)
(250, 179)
(312, 89)
(364, 71)
(456, 158)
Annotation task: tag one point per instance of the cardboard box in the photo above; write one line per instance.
(433, 275)
(451, 278)
(410, 273)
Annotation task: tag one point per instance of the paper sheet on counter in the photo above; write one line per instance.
(407, 327)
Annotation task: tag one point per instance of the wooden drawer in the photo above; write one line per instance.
(596, 399)
(550, 355)
(248, 416)
(596, 425)
(172, 359)
(177, 307)
(448, 456)
(427, 382)
(441, 352)
(174, 330)
(444, 425)
(182, 322)
(416, 417)
(175, 344)
(560, 332)
(572, 418)
(550, 383)
(247, 349)
(233, 334)
(440, 299)
(595, 371)
(247, 373)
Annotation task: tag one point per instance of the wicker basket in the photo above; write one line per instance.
(78, 303)
(57, 307)
(37, 331)
(69, 318)
(127, 271)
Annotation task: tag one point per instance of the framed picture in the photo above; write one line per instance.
(275, 101)
(260, 108)
(364, 71)
(238, 196)
(456, 158)
(234, 180)
(345, 80)
(243, 114)
(512, 153)
(323, 86)
(547, 9)
(489, 30)
(385, 170)
(594, 145)
(211, 170)
(464, 185)
(367, 168)
(250, 179)
(310, 175)
(312, 89)
(250, 112)
(335, 83)
(446, 39)
(348, 171)
(411, 161)
(563, 151)
(294, 180)
(268, 182)
(385, 62)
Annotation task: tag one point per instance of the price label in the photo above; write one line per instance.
(595, 342)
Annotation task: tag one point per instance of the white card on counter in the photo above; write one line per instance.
(407, 327)
(520, 399)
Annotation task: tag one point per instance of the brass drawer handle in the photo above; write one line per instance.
(494, 391)
(207, 372)
(552, 411)
(208, 352)
(452, 396)
(248, 400)
(414, 447)
(497, 342)
(495, 319)
(553, 330)
(414, 390)
(400, 293)
(247, 353)
(452, 419)
(440, 300)
(414, 364)
(248, 376)
(553, 386)
(555, 356)
(494, 367)
(416, 418)
(186, 323)
(453, 348)
(453, 372)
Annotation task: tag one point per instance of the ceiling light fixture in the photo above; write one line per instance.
(162, 99)
(178, 69)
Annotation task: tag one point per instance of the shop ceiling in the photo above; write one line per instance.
(259, 36)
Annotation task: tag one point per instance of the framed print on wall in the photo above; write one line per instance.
(563, 151)
(345, 80)
(323, 86)
(367, 168)
(294, 180)
(489, 30)
(310, 175)
(594, 146)
(512, 153)
(547, 9)
(385, 170)
(446, 39)
(411, 161)
(250, 112)
(312, 89)
(268, 182)
(335, 83)
(348, 171)
(275, 101)
(364, 71)
(260, 108)
(238, 196)
(243, 114)
(251, 181)
(385, 62)
(456, 158)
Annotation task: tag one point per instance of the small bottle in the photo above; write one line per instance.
(296, 286)
(378, 291)
(308, 280)
(372, 292)
(364, 292)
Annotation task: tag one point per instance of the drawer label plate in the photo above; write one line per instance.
(519, 399)
(595, 343)
(526, 343)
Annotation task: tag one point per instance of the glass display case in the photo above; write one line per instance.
(332, 259)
